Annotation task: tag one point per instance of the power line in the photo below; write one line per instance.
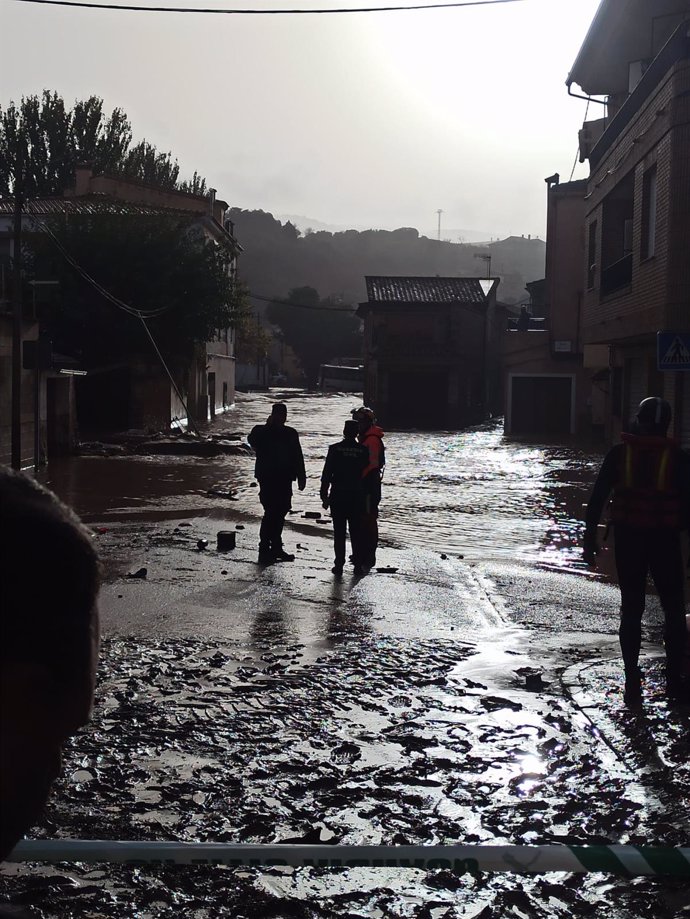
(142, 315)
(263, 12)
(120, 304)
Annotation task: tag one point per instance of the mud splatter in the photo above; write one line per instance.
(376, 741)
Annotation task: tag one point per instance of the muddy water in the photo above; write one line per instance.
(479, 494)
(374, 739)
(377, 742)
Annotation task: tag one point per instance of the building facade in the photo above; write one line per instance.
(430, 350)
(637, 202)
(547, 389)
(137, 393)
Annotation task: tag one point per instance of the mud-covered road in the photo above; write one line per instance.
(470, 693)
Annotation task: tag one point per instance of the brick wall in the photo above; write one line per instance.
(660, 285)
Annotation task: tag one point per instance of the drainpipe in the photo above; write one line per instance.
(16, 418)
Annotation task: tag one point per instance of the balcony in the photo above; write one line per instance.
(616, 276)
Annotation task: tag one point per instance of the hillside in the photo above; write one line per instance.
(277, 258)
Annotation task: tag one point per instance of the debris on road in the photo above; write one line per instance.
(139, 573)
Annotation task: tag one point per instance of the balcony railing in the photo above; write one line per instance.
(616, 276)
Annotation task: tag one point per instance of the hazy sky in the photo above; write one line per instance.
(374, 119)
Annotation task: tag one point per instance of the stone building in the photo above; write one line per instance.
(431, 357)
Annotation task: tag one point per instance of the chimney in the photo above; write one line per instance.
(211, 201)
(83, 173)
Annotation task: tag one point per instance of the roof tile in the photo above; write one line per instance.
(424, 290)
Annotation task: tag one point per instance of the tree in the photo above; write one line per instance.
(55, 139)
(253, 340)
(317, 330)
(151, 263)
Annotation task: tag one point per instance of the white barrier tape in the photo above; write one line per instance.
(625, 860)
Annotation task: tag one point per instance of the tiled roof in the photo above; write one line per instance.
(94, 204)
(425, 290)
(104, 204)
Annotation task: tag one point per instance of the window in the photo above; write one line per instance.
(648, 214)
(616, 237)
(591, 255)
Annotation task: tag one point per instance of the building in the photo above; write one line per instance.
(430, 350)
(637, 203)
(138, 392)
(547, 389)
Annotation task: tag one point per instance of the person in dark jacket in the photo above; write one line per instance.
(49, 636)
(279, 462)
(649, 476)
(370, 436)
(342, 490)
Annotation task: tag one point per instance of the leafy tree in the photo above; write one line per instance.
(253, 340)
(55, 139)
(318, 330)
(194, 186)
(152, 264)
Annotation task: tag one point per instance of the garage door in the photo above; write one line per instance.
(541, 405)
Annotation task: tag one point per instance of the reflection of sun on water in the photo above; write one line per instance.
(532, 768)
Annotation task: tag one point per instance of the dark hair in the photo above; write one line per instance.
(49, 579)
(351, 428)
(279, 408)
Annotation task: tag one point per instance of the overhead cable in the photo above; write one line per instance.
(132, 8)
(120, 304)
(142, 315)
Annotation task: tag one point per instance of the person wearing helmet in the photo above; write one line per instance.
(649, 476)
(371, 436)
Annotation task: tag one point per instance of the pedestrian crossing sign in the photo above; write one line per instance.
(673, 350)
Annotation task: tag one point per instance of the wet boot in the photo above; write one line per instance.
(280, 555)
(265, 554)
(677, 689)
(632, 695)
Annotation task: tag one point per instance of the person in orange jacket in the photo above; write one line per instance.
(649, 476)
(371, 436)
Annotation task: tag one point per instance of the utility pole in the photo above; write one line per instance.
(487, 261)
(439, 212)
(16, 416)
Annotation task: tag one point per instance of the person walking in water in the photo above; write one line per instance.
(342, 490)
(371, 437)
(279, 462)
(649, 476)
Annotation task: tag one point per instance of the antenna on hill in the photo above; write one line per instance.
(439, 212)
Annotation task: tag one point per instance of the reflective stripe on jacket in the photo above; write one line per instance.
(646, 493)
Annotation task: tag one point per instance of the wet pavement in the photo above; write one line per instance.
(470, 693)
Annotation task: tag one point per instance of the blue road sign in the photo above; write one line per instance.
(673, 350)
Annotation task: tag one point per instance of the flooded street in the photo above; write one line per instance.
(473, 492)
(468, 692)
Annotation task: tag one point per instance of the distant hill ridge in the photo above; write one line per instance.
(278, 258)
(450, 234)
